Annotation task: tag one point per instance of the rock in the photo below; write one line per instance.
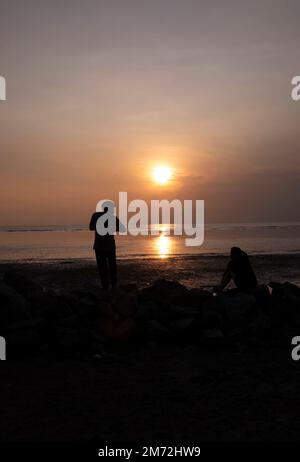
(31, 324)
(187, 329)
(174, 312)
(277, 289)
(49, 305)
(213, 312)
(199, 295)
(191, 298)
(163, 291)
(88, 301)
(212, 319)
(240, 308)
(131, 287)
(260, 325)
(195, 330)
(148, 310)
(182, 325)
(117, 329)
(285, 302)
(263, 298)
(22, 284)
(69, 341)
(92, 292)
(86, 319)
(24, 337)
(235, 334)
(124, 304)
(88, 312)
(22, 343)
(70, 321)
(13, 307)
(213, 336)
(156, 330)
(292, 289)
(214, 304)
(91, 341)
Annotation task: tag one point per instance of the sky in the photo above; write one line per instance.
(101, 92)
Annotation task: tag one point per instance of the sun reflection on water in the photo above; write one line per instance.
(163, 246)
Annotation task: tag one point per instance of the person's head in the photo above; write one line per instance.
(235, 252)
(105, 206)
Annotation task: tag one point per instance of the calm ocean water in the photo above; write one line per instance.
(72, 242)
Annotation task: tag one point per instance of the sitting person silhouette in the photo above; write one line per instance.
(239, 270)
(104, 244)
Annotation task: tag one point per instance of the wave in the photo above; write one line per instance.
(42, 229)
(208, 227)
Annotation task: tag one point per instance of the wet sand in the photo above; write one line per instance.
(192, 271)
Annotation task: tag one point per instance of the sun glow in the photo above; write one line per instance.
(163, 246)
(162, 174)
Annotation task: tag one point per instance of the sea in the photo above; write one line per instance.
(61, 242)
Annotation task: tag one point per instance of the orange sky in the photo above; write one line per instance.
(101, 92)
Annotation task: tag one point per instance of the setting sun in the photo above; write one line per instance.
(162, 174)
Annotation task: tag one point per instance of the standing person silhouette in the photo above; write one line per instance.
(104, 244)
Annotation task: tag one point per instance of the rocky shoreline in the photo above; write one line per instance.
(87, 322)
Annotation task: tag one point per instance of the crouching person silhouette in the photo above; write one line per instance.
(239, 269)
(106, 225)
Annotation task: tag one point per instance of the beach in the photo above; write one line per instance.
(159, 388)
(192, 271)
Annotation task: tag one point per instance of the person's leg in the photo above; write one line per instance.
(112, 262)
(103, 269)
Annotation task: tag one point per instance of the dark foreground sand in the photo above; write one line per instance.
(157, 393)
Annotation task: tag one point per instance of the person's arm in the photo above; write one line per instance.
(93, 222)
(226, 278)
(117, 225)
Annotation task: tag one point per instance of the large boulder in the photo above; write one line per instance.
(124, 303)
(212, 319)
(148, 310)
(213, 337)
(25, 337)
(91, 340)
(163, 291)
(156, 331)
(285, 302)
(50, 306)
(191, 298)
(240, 308)
(292, 289)
(117, 328)
(260, 326)
(22, 284)
(174, 312)
(263, 298)
(214, 304)
(199, 296)
(13, 306)
(181, 327)
(89, 312)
